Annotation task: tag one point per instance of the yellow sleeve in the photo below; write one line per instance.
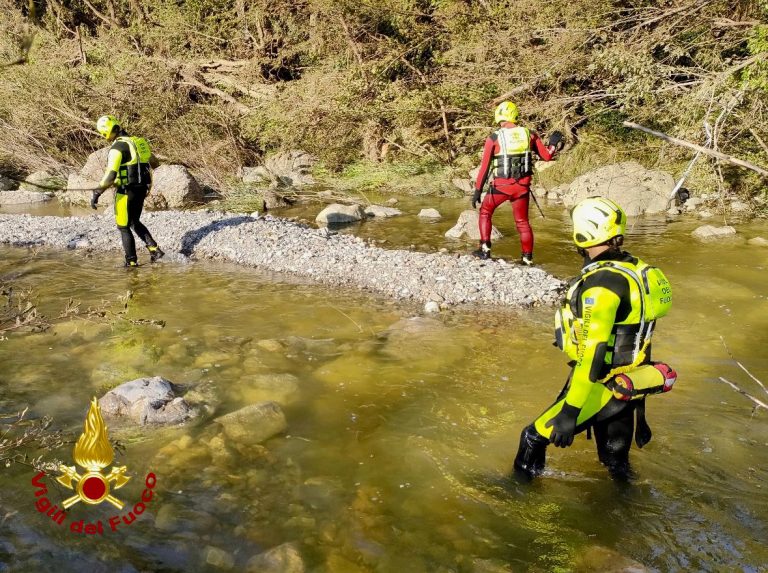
(114, 159)
(598, 313)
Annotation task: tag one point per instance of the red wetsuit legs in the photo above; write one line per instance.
(519, 209)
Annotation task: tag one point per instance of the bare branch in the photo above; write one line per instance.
(758, 403)
(728, 158)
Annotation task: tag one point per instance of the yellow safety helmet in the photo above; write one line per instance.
(506, 111)
(596, 220)
(106, 125)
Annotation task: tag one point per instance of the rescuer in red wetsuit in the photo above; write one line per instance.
(507, 152)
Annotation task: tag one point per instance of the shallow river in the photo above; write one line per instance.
(400, 433)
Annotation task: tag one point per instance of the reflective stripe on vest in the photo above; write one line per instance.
(514, 161)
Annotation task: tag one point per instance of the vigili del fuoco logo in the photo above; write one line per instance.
(92, 453)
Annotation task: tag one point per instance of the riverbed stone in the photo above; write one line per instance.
(282, 388)
(712, 233)
(173, 186)
(468, 225)
(430, 214)
(80, 190)
(739, 206)
(464, 184)
(285, 558)
(598, 559)
(758, 242)
(42, 181)
(146, 401)
(338, 213)
(166, 518)
(351, 371)
(382, 212)
(22, 197)
(218, 558)
(7, 184)
(254, 424)
(636, 189)
(292, 168)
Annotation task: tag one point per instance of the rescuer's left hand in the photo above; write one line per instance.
(476, 198)
(564, 426)
(94, 199)
(556, 140)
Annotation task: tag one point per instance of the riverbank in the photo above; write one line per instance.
(280, 245)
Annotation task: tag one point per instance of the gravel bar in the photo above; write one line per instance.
(281, 245)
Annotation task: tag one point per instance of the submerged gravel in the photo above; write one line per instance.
(281, 245)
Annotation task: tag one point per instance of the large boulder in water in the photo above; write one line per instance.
(636, 189)
(173, 186)
(468, 225)
(338, 213)
(146, 401)
(712, 233)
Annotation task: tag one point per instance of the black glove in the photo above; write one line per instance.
(563, 426)
(95, 199)
(476, 198)
(556, 140)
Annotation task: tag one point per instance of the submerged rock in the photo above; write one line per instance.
(709, 232)
(430, 214)
(597, 559)
(254, 424)
(281, 388)
(146, 401)
(383, 212)
(468, 224)
(284, 558)
(218, 558)
(338, 213)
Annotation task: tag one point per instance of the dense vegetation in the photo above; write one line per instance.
(217, 84)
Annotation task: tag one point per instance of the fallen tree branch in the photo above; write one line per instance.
(190, 80)
(759, 140)
(758, 403)
(740, 365)
(722, 156)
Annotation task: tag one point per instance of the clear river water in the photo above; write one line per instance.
(400, 438)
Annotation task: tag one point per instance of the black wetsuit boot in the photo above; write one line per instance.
(531, 454)
(613, 438)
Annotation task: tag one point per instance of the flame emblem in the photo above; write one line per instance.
(93, 453)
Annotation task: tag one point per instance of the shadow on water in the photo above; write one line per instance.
(192, 238)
